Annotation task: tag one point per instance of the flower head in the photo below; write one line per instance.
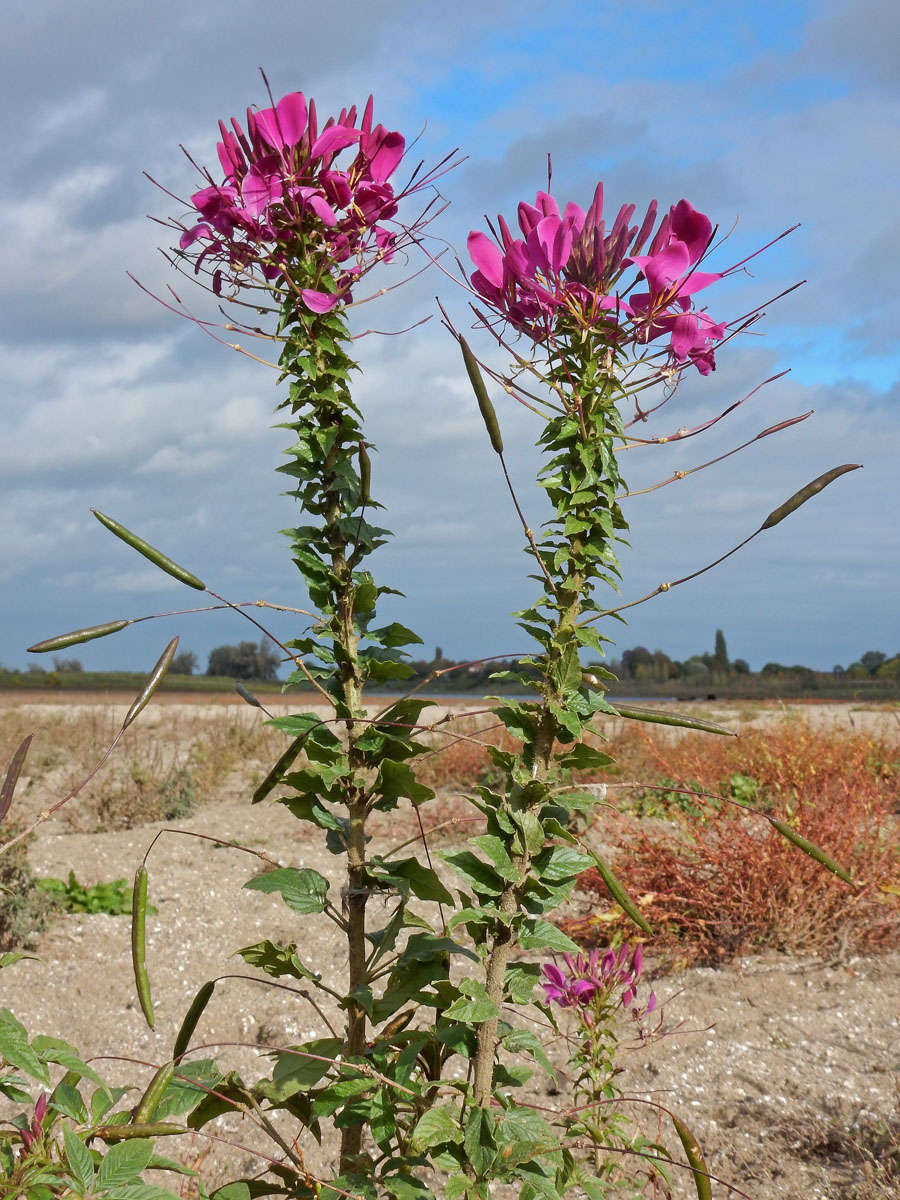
(593, 984)
(287, 195)
(568, 267)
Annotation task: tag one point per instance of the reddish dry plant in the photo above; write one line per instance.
(715, 885)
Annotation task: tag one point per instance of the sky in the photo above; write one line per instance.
(763, 116)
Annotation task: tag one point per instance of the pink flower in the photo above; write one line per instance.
(284, 198)
(593, 982)
(568, 268)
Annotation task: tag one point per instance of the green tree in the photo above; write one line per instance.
(721, 653)
(872, 660)
(244, 661)
(184, 663)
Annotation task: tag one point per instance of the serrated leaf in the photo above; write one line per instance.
(69, 1101)
(79, 1159)
(123, 1163)
(302, 889)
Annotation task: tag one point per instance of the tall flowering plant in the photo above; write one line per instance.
(419, 1072)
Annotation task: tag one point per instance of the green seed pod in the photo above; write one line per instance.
(484, 401)
(805, 494)
(149, 1102)
(812, 850)
(618, 893)
(272, 780)
(365, 474)
(79, 635)
(664, 718)
(139, 943)
(191, 1017)
(155, 556)
(696, 1160)
(247, 695)
(149, 1129)
(12, 775)
(155, 678)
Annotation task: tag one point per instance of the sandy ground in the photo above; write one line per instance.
(774, 1062)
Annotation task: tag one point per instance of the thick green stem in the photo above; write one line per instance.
(541, 762)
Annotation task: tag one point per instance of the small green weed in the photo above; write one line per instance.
(112, 898)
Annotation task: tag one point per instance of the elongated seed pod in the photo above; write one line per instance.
(271, 781)
(247, 695)
(139, 943)
(149, 1129)
(149, 1102)
(155, 556)
(696, 1160)
(191, 1017)
(805, 494)
(488, 414)
(365, 474)
(618, 893)
(12, 775)
(77, 636)
(664, 718)
(812, 850)
(154, 679)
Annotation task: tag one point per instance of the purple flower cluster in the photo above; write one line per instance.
(284, 194)
(570, 264)
(595, 982)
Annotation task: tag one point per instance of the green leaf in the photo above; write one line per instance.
(277, 960)
(302, 1069)
(520, 981)
(123, 1163)
(544, 935)
(81, 1164)
(423, 881)
(393, 635)
(474, 1006)
(560, 862)
(68, 1100)
(188, 1085)
(523, 1041)
(55, 1050)
(496, 851)
(15, 1049)
(479, 1142)
(522, 1133)
(436, 1126)
(14, 956)
(406, 1187)
(583, 758)
(477, 874)
(302, 889)
(396, 780)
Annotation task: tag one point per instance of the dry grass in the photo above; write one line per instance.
(716, 880)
